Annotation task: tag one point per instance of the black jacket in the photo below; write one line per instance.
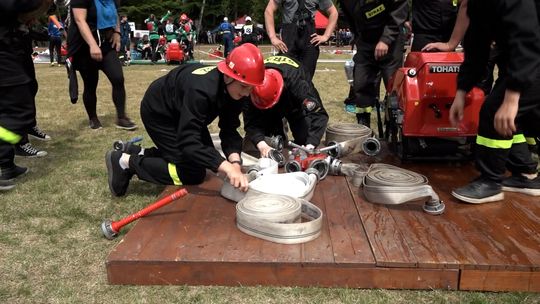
(299, 100)
(375, 20)
(513, 25)
(189, 98)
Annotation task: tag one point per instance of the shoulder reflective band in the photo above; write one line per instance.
(374, 12)
(8, 136)
(278, 218)
(281, 60)
(202, 71)
(174, 175)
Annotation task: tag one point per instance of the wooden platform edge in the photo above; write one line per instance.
(499, 280)
(270, 274)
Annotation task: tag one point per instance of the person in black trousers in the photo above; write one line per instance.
(93, 40)
(176, 110)
(513, 106)
(287, 93)
(298, 36)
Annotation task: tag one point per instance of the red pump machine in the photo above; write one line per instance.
(417, 108)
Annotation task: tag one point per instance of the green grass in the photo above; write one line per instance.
(51, 247)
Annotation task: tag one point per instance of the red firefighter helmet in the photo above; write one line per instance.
(245, 64)
(266, 95)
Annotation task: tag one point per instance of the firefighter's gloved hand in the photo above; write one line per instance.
(264, 148)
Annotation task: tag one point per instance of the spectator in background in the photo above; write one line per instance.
(93, 40)
(125, 37)
(144, 47)
(55, 28)
(250, 32)
(298, 36)
(227, 31)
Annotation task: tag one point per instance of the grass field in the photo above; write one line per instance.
(51, 247)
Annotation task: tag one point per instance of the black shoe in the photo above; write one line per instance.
(364, 119)
(118, 177)
(479, 191)
(38, 134)
(27, 150)
(8, 175)
(126, 124)
(95, 124)
(521, 184)
(6, 184)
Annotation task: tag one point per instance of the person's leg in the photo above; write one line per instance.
(51, 50)
(112, 68)
(58, 47)
(90, 76)
(154, 44)
(309, 52)
(366, 81)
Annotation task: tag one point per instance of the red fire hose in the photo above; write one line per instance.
(110, 229)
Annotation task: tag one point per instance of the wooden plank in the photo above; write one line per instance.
(388, 244)
(499, 280)
(349, 240)
(254, 274)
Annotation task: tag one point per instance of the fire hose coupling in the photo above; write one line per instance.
(302, 158)
(275, 142)
(123, 146)
(277, 156)
(371, 146)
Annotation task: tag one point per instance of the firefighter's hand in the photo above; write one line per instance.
(310, 147)
(264, 148)
(279, 44)
(381, 49)
(234, 174)
(437, 47)
(115, 41)
(318, 39)
(95, 53)
(506, 114)
(456, 111)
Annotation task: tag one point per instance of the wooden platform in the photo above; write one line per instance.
(194, 241)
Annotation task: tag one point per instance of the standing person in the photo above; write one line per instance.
(514, 103)
(376, 26)
(249, 32)
(176, 110)
(125, 37)
(152, 25)
(298, 36)
(226, 30)
(17, 82)
(432, 21)
(55, 30)
(287, 92)
(93, 40)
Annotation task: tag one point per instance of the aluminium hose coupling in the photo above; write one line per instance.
(277, 156)
(371, 146)
(275, 142)
(349, 71)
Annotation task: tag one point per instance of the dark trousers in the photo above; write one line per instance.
(493, 162)
(89, 70)
(55, 44)
(297, 38)
(227, 44)
(17, 115)
(154, 44)
(159, 165)
(366, 70)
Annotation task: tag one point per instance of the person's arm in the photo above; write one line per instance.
(79, 16)
(398, 10)
(332, 21)
(254, 122)
(462, 23)
(116, 36)
(269, 12)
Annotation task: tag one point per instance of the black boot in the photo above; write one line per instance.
(364, 119)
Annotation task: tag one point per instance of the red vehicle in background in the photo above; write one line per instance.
(417, 107)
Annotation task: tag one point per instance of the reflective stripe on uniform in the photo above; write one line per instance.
(455, 2)
(360, 110)
(499, 143)
(530, 141)
(174, 175)
(8, 136)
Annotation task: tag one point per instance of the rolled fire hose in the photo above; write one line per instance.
(351, 138)
(391, 185)
(278, 218)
